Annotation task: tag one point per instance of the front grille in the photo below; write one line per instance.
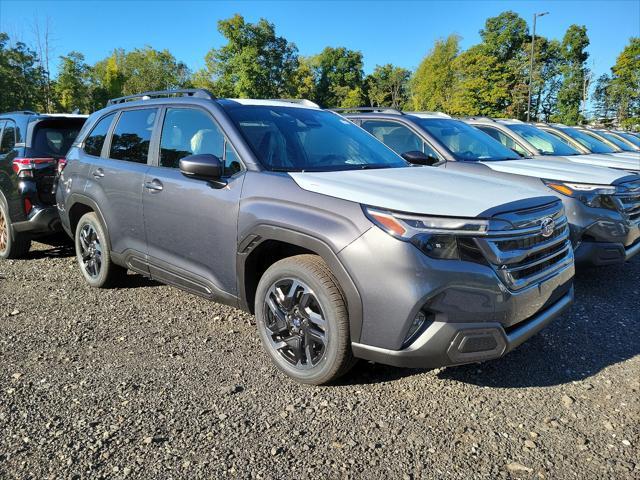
(519, 252)
(630, 204)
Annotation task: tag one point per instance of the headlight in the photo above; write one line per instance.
(438, 237)
(592, 195)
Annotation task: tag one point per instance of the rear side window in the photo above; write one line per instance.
(132, 135)
(397, 137)
(503, 139)
(8, 140)
(95, 140)
(54, 138)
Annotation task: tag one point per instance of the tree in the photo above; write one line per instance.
(255, 62)
(503, 36)
(625, 84)
(22, 79)
(546, 77)
(127, 73)
(480, 87)
(339, 77)
(603, 104)
(574, 74)
(388, 86)
(72, 84)
(433, 83)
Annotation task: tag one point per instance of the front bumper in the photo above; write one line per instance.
(600, 236)
(461, 299)
(446, 344)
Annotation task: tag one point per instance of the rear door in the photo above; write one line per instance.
(191, 225)
(116, 178)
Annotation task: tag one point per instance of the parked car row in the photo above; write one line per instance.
(411, 239)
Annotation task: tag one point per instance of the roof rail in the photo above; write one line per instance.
(301, 101)
(368, 109)
(432, 114)
(477, 117)
(185, 92)
(28, 112)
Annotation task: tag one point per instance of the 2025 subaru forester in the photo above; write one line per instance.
(341, 248)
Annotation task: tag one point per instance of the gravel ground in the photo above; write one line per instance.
(150, 382)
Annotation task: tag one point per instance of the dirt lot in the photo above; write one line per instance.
(149, 382)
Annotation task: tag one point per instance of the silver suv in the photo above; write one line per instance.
(340, 247)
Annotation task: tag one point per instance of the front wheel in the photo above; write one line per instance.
(302, 320)
(92, 253)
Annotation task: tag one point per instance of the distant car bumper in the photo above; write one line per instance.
(40, 220)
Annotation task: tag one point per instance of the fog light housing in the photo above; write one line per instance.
(417, 326)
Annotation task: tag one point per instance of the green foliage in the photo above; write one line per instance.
(255, 62)
(434, 81)
(388, 86)
(625, 83)
(72, 85)
(574, 71)
(339, 77)
(504, 35)
(22, 80)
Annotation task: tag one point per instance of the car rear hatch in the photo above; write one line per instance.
(48, 140)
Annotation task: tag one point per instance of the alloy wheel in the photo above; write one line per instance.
(90, 250)
(295, 323)
(4, 232)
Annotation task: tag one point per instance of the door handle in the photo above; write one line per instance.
(154, 185)
(98, 173)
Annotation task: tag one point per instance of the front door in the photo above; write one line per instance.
(191, 225)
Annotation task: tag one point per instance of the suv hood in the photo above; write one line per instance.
(560, 169)
(420, 190)
(605, 160)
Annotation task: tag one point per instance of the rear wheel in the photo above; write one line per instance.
(302, 320)
(92, 253)
(12, 244)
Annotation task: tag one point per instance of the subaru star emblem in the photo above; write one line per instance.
(547, 226)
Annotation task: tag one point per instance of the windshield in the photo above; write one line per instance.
(465, 142)
(545, 142)
(303, 139)
(588, 141)
(616, 141)
(632, 138)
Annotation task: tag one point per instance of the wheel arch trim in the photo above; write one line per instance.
(264, 232)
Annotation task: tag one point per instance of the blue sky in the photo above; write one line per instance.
(386, 31)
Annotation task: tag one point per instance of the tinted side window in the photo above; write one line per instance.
(132, 135)
(397, 137)
(189, 131)
(8, 138)
(502, 138)
(95, 140)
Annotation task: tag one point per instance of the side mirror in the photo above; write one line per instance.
(204, 166)
(417, 157)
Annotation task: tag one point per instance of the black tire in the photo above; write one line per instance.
(93, 255)
(12, 244)
(316, 310)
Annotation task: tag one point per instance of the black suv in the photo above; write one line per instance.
(32, 148)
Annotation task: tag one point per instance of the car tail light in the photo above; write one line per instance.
(25, 167)
(62, 162)
(27, 206)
